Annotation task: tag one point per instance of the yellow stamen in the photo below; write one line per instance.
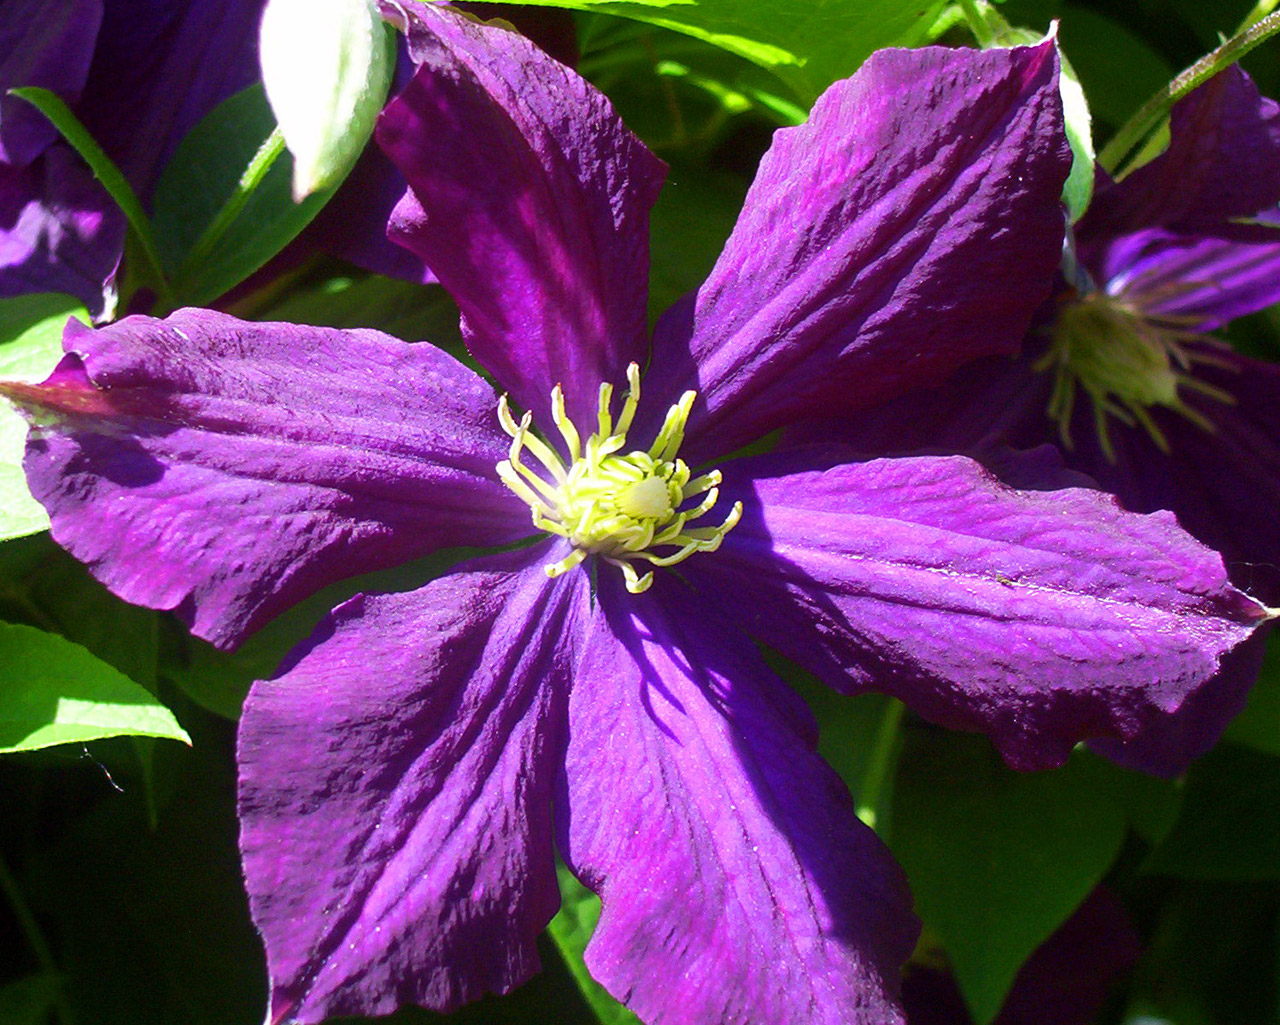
(622, 508)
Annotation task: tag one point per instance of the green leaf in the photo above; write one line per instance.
(1098, 46)
(807, 43)
(1258, 726)
(571, 930)
(997, 859)
(56, 692)
(693, 217)
(208, 173)
(1230, 822)
(30, 347)
(41, 585)
(29, 1001)
(118, 188)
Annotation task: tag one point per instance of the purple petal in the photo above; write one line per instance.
(737, 884)
(45, 43)
(395, 794)
(1223, 484)
(1223, 161)
(1038, 618)
(159, 68)
(1171, 743)
(227, 470)
(1206, 279)
(59, 230)
(529, 200)
(911, 225)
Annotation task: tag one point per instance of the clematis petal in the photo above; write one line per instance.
(1172, 742)
(59, 230)
(529, 200)
(1223, 162)
(158, 69)
(46, 43)
(1222, 481)
(1205, 279)
(395, 794)
(1038, 618)
(737, 884)
(227, 470)
(911, 225)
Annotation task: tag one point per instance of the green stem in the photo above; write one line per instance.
(1155, 109)
(35, 937)
(258, 167)
(883, 763)
(977, 23)
(1260, 10)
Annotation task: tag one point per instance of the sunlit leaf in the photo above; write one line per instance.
(30, 347)
(56, 692)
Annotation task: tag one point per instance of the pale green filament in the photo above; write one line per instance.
(1127, 361)
(623, 508)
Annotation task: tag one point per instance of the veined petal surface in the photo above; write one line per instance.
(1038, 618)
(737, 885)
(227, 470)
(911, 225)
(1204, 280)
(530, 200)
(396, 789)
(1223, 483)
(1172, 742)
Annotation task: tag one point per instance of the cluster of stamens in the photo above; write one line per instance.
(1127, 361)
(623, 507)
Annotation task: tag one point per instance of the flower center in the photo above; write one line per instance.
(1127, 361)
(624, 508)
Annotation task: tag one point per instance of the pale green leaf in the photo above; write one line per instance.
(326, 69)
(30, 347)
(56, 692)
(807, 43)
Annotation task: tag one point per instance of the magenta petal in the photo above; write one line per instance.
(737, 883)
(529, 200)
(1038, 618)
(227, 470)
(395, 794)
(911, 225)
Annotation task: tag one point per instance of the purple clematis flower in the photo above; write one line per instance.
(139, 74)
(409, 774)
(1122, 374)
